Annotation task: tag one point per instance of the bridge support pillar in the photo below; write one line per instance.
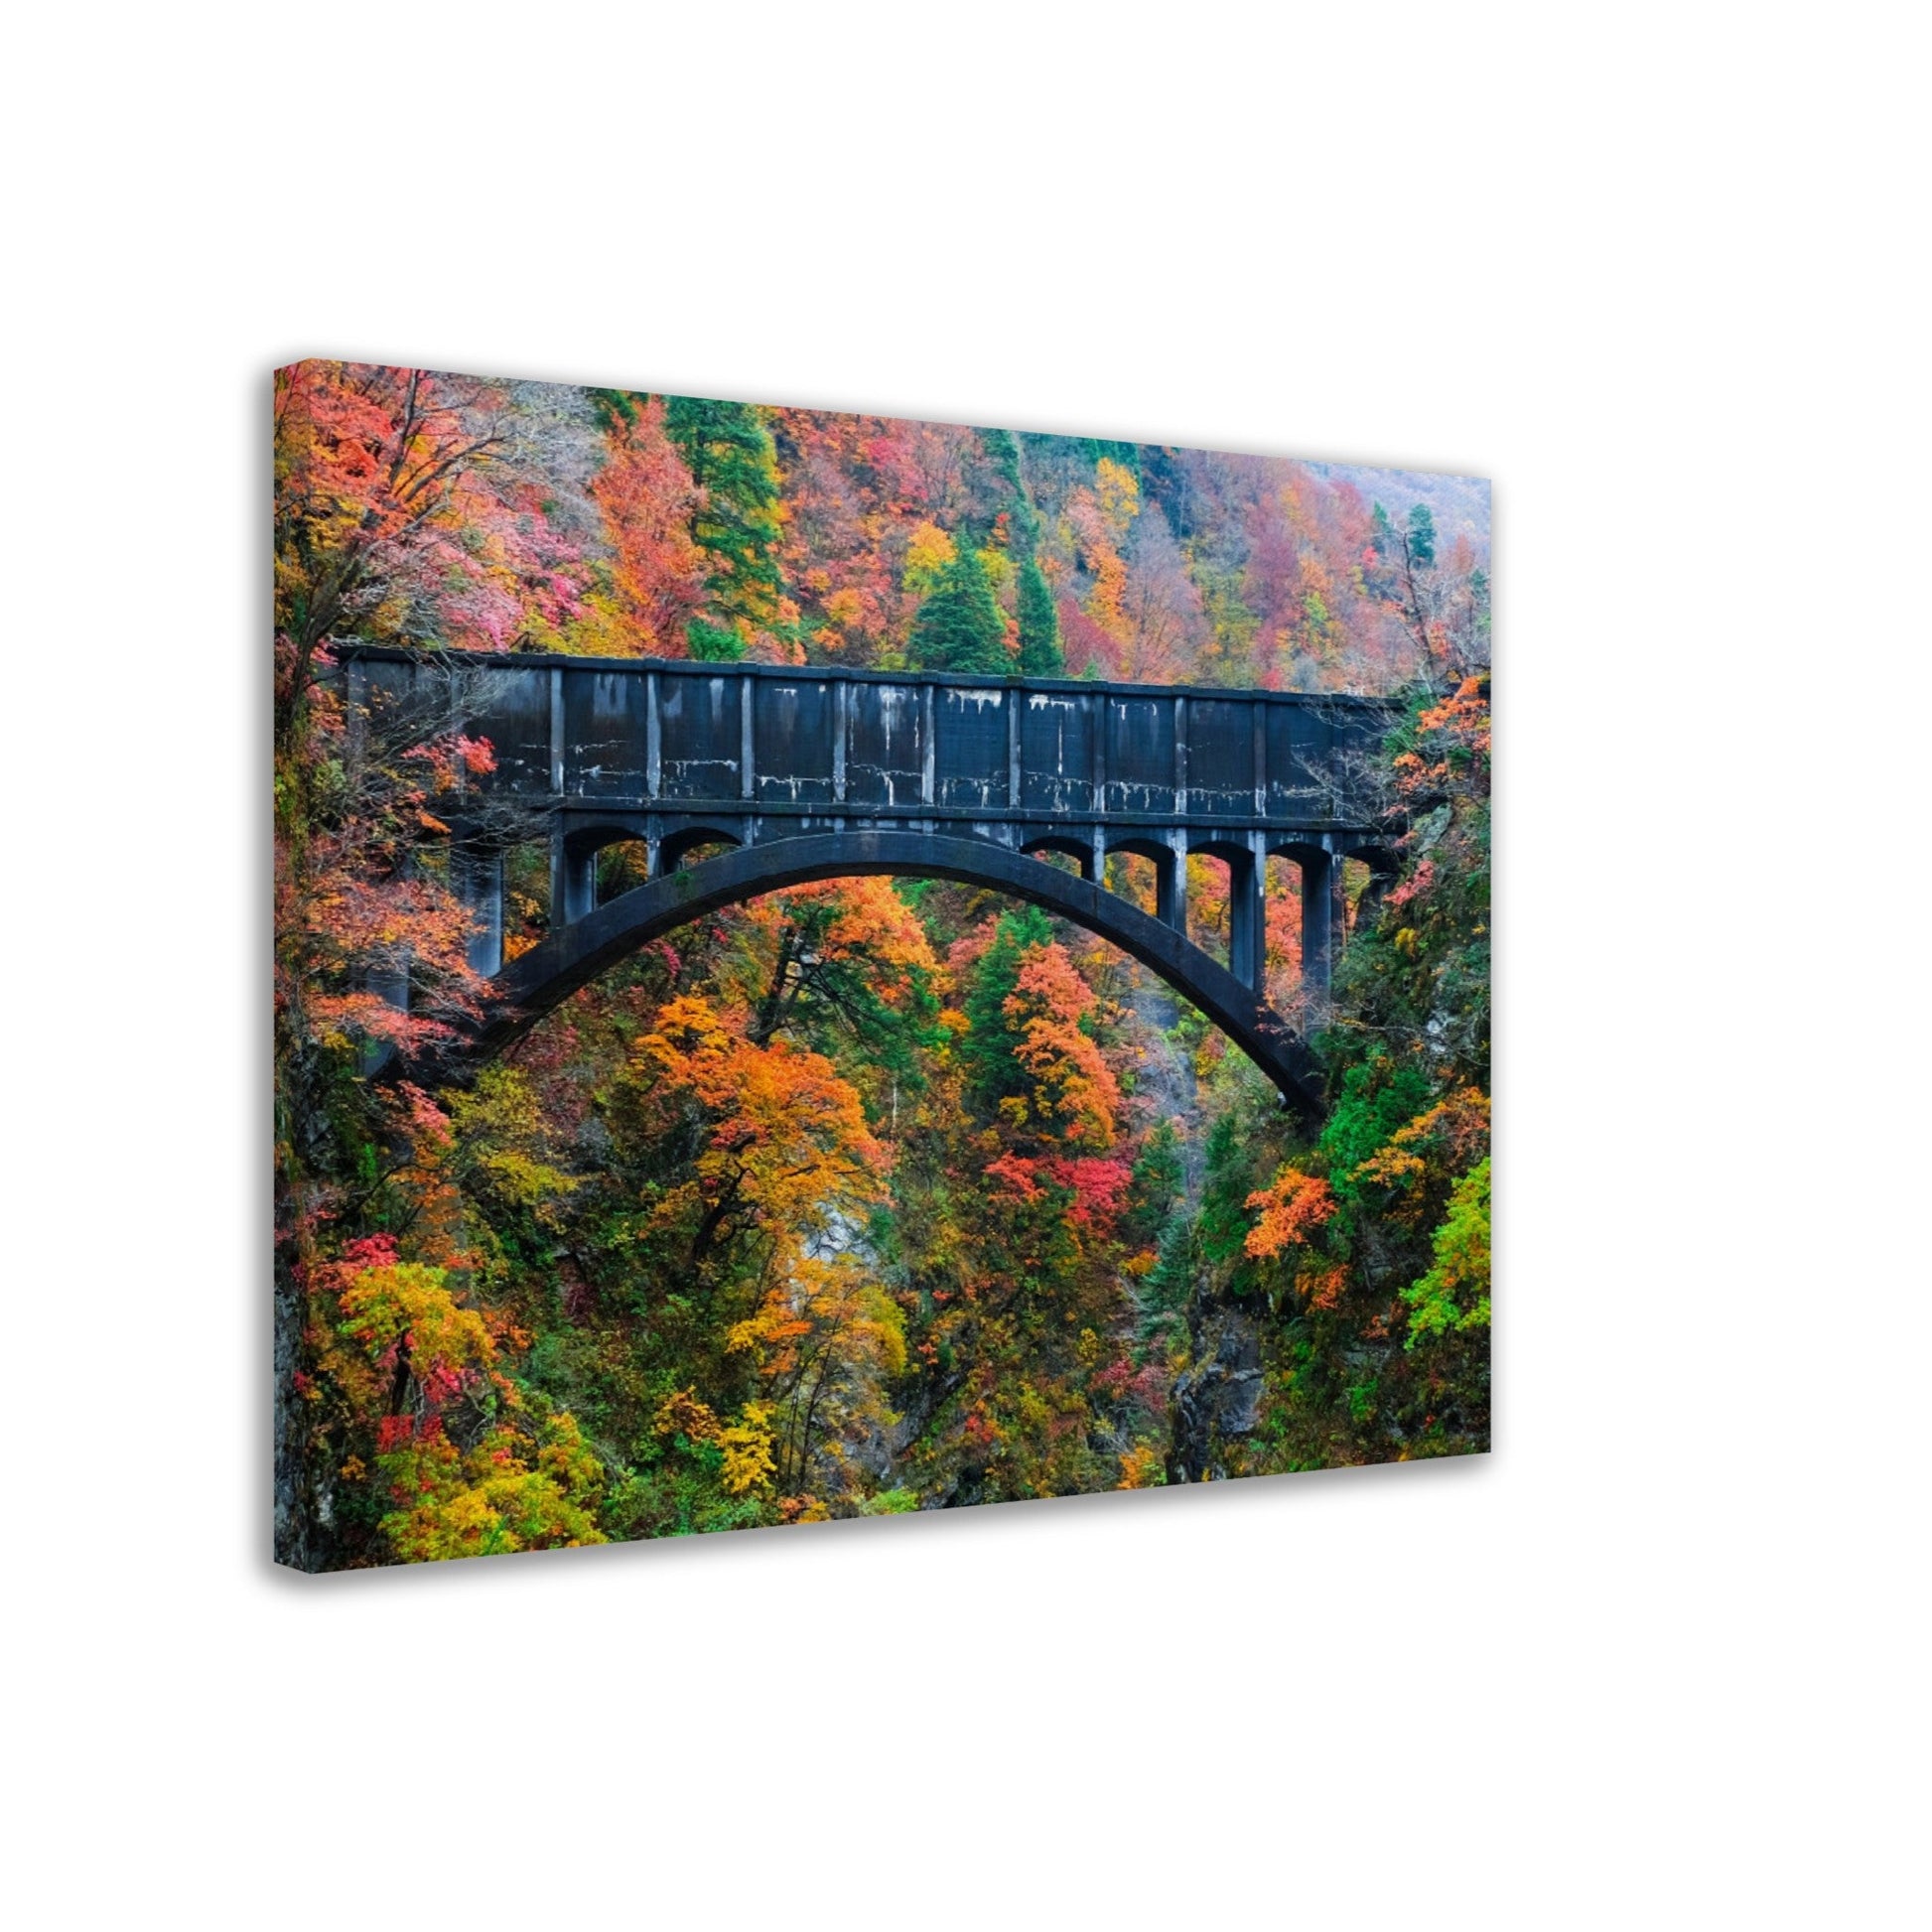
(1170, 885)
(1382, 870)
(573, 882)
(1248, 915)
(477, 878)
(390, 982)
(390, 985)
(1324, 920)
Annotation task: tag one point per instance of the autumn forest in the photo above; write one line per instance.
(875, 1194)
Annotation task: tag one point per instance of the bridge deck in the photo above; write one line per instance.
(676, 734)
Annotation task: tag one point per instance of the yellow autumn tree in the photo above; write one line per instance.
(1102, 517)
(928, 551)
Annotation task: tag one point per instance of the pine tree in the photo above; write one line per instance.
(1022, 520)
(1127, 455)
(1381, 536)
(1005, 454)
(729, 451)
(1040, 626)
(985, 1050)
(959, 626)
(1421, 537)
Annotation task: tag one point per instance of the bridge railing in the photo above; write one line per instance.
(627, 733)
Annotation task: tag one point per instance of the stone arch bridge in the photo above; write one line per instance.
(817, 773)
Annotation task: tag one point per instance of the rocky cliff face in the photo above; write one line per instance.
(1219, 1393)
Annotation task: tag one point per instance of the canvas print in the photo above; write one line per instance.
(829, 965)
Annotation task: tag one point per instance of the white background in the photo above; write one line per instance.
(1660, 1659)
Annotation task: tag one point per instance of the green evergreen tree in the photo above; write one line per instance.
(1005, 453)
(1127, 455)
(1158, 1185)
(959, 626)
(985, 1050)
(1421, 537)
(1022, 520)
(1232, 1176)
(1040, 626)
(729, 454)
(615, 406)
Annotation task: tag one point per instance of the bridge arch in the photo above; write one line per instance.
(676, 847)
(1068, 845)
(540, 980)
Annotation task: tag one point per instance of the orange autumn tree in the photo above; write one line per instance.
(1292, 1208)
(1076, 1098)
(787, 1170)
(1066, 1119)
(834, 929)
(785, 1144)
(843, 965)
(654, 582)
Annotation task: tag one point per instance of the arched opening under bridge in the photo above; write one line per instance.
(538, 980)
